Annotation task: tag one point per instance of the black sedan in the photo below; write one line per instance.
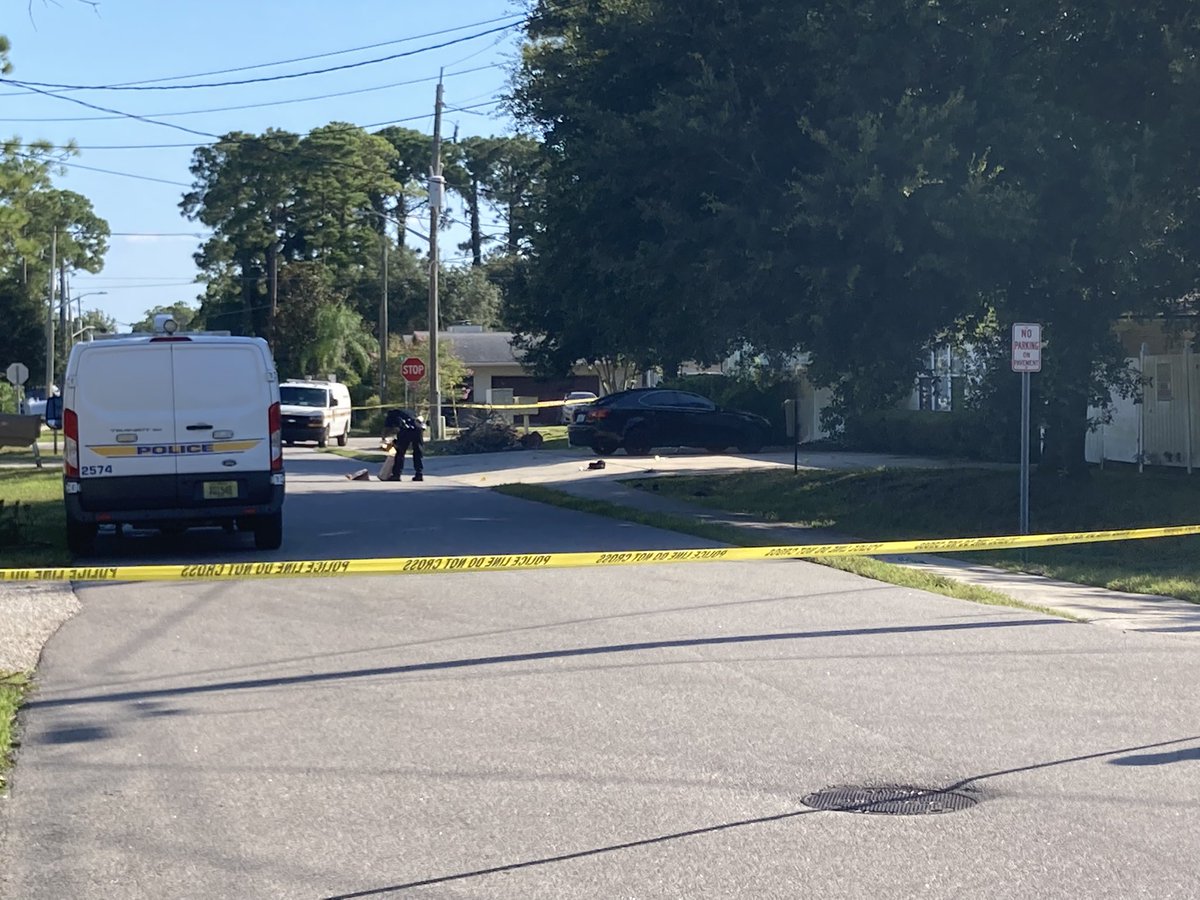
(642, 419)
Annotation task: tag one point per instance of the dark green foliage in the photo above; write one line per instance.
(858, 179)
(969, 434)
(764, 397)
(32, 210)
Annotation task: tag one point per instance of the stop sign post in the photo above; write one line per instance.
(412, 369)
(17, 373)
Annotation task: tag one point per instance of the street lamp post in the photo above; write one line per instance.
(79, 313)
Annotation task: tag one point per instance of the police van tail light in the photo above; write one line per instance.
(70, 444)
(275, 425)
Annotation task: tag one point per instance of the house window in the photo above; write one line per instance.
(1162, 381)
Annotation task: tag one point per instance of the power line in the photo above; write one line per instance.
(216, 138)
(120, 114)
(404, 40)
(211, 84)
(282, 62)
(73, 147)
(469, 109)
(134, 287)
(72, 165)
(197, 112)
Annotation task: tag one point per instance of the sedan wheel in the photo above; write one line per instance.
(751, 443)
(637, 442)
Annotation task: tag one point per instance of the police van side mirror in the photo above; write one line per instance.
(54, 412)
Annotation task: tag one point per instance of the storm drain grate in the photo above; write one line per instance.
(890, 800)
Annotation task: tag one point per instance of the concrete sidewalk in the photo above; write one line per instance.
(1129, 612)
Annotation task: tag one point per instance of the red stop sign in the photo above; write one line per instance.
(412, 369)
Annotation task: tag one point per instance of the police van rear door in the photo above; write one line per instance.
(123, 396)
(222, 407)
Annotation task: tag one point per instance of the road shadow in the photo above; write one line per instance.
(1158, 759)
(969, 784)
(506, 659)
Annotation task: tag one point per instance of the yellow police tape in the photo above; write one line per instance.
(419, 565)
(541, 404)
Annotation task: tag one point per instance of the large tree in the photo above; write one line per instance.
(857, 179)
(277, 198)
(410, 172)
(38, 221)
(320, 335)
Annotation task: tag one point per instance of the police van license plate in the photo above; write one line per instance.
(220, 490)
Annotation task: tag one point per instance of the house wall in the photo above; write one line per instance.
(547, 389)
(1168, 419)
(492, 377)
(813, 401)
(1160, 336)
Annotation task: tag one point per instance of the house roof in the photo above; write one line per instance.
(486, 348)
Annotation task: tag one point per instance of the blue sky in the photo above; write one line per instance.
(66, 42)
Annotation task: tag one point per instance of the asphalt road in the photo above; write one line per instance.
(624, 733)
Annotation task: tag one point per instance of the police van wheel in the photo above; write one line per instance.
(268, 532)
(324, 438)
(343, 437)
(81, 537)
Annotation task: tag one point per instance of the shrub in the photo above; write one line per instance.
(368, 420)
(970, 433)
(489, 436)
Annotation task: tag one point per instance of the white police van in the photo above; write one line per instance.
(172, 430)
(315, 411)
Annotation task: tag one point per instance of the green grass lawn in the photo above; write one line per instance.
(731, 534)
(12, 688)
(900, 504)
(32, 522)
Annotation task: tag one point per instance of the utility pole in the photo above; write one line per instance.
(383, 321)
(436, 183)
(50, 317)
(273, 254)
(64, 309)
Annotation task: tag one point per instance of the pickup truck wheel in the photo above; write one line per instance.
(268, 532)
(81, 537)
(604, 447)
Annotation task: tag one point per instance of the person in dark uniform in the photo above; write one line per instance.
(407, 430)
